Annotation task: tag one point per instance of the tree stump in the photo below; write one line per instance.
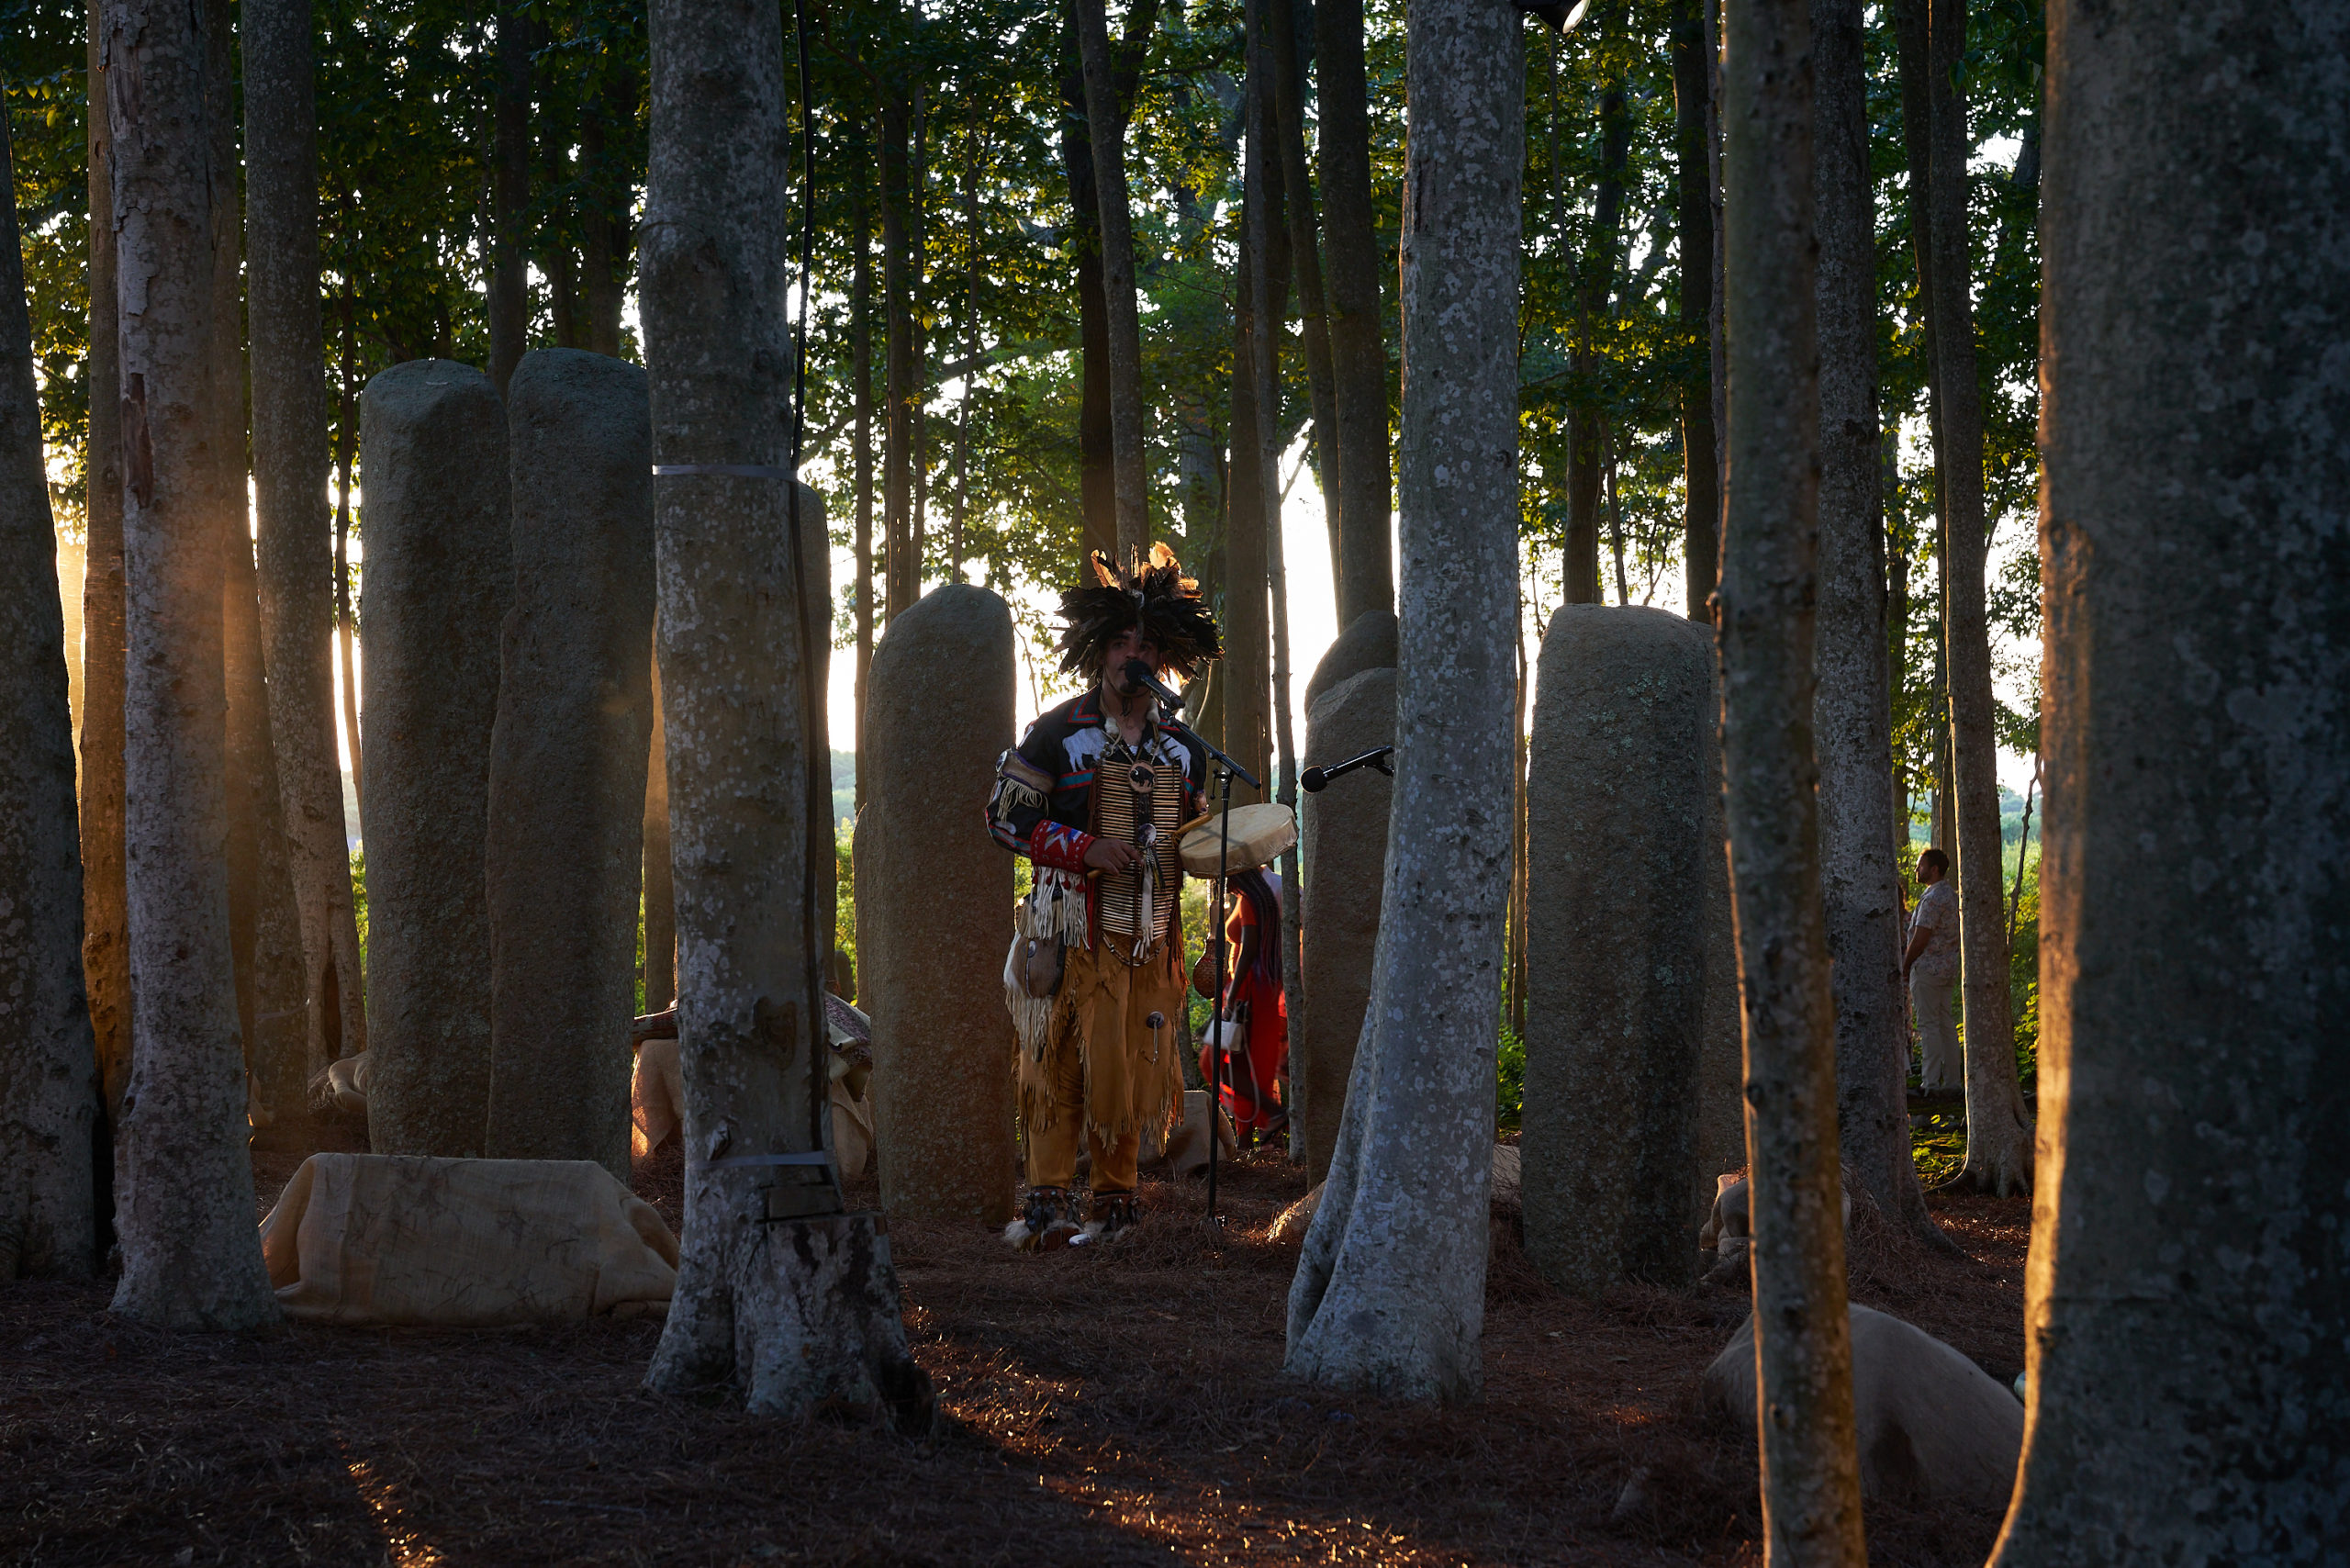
(1343, 851)
(568, 760)
(1622, 821)
(439, 575)
(937, 901)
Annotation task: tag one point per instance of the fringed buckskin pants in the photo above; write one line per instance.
(1106, 1074)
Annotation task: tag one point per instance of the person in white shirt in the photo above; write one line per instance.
(1930, 966)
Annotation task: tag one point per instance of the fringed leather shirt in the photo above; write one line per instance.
(1049, 804)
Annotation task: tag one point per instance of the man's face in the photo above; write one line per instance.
(1928, 871)
(1131, 644)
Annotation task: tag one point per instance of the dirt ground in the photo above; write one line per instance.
(1123, 1406)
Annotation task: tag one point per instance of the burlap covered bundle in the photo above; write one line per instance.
(379, 1239)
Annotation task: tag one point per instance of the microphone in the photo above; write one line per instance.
(1314, 779)
(1138, 676)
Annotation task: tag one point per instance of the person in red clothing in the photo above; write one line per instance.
(1257, 1017)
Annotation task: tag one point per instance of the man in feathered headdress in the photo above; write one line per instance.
(1093, 796)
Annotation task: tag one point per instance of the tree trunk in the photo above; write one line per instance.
(780, 1291)
(861, 406)
(554, 122)
(2188, 1304)
(1586, 424)
(1264, 21)
(268, 943)
(1305, 259)
(918, 324)
(1716, 347)
(1390, 1296)
(346, 622)
(1852, 709)
(1106, 127)
(970, 347)
(899, 278)
(1702, 504)
(289, 440)
(183, 1189)
(106, 930)
(1357, 350)
(510, 297)
(1811, 1490)
(1097, 477)
(1999, 1135)
(49, 1094)
(660, 885)
(1255, 489)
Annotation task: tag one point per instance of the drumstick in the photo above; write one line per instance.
(1201, 821)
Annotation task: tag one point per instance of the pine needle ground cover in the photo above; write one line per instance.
(1120, 1408)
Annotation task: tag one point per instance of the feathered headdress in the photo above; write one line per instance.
(1158, 597)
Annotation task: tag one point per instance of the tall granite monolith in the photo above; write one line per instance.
(1623, 892)
(439, 576)
(1343, 851)
(934, 905)
(567, 761)
(1367, 643)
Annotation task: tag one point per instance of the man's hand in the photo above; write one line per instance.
(1108, 854)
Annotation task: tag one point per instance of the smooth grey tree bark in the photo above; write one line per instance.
(508, 300)
(1390, 1290)
(264, 931)
(1594, 289)
(660, 889)
(1253, 504)
(1852, 712)
(1280, 31)
(1357, 350)
(1264, 27)
(1811, 1483)
(105, 934)
(49, 1088)
(1106, 126)
(1701, 487)
(861, 439)
(290, 460)
(1998, 1133)
(780, 1292)
(183, 1191)
(2188, 1309)
(901, 281)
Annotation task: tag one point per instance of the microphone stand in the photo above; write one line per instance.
(1226, 769)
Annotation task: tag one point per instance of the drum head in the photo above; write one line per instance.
(1258, 835)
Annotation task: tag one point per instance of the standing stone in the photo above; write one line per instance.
(1367, 643)
(935, 897)
(439, 576)
(568, 760)
(1343, 852)
(1625, 866)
